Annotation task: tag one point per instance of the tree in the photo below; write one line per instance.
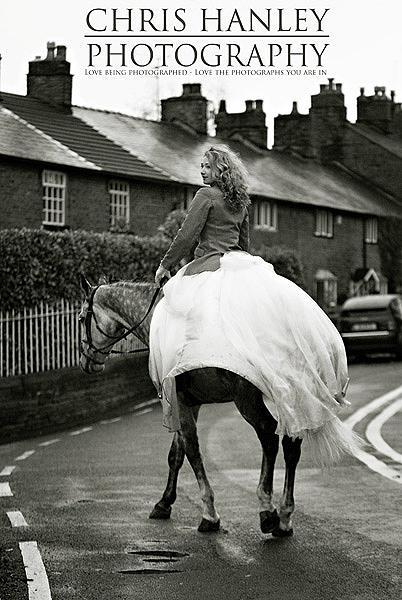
(285, 261)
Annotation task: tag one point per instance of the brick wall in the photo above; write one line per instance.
(20, 195)
(44, 402)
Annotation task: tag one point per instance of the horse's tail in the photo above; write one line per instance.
(332, 441)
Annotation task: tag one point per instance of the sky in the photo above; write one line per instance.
(365, 50)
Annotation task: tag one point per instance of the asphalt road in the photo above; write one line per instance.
(86, 494)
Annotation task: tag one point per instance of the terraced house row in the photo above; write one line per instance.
(322, 190)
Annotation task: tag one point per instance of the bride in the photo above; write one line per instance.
(229, 309)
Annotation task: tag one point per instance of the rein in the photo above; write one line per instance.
(106, 349)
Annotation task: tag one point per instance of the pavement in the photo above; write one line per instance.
(85, 496)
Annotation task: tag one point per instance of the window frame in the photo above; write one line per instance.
(54, 180)
(119, 190)
(371, 230)
(324, 223)
(265, 210)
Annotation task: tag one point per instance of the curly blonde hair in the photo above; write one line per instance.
(230, 175)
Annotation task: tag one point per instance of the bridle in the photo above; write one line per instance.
(105, 350)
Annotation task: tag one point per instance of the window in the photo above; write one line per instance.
(54, 197)
(266, 215)
(324, 223)
(371, 230)
(119, 205)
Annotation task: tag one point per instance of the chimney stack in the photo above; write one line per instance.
(49, 79)
(189, 109)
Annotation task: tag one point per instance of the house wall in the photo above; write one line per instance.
(342, 254)
(87, 198)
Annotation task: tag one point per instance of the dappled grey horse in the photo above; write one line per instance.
(112, 310)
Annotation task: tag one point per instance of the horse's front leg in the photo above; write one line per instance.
(291, 451)
(163, 508)
(210, 518)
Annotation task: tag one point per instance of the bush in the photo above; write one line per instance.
(171, 225)
(285, 261)
(38, 265)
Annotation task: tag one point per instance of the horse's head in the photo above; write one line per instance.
(100, 328)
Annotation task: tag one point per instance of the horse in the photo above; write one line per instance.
(108, 313)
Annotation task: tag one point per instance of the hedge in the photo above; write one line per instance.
(38, 265)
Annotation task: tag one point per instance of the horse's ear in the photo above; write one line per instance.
(85, 285)
(103, 280)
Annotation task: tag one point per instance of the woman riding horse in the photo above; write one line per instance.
(229, 309)
(230, 329)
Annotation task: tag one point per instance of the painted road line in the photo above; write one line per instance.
(49, 442)
(143, 412)
(26, 454)
(5, 489)
(17, 519)
(83, 430)
(7, 470)
(368, 459)
(107, 421)
(373, 431)
(38, 584)
(362, 412)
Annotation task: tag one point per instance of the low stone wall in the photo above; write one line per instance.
(41, 403)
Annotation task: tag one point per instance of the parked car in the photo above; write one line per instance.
(371, 324)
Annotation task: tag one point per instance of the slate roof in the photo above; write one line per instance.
(273, 174)
(152, 150)
(21, 140)
(390, 144)
(79, 137)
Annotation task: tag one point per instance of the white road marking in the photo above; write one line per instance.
(373, 431)
(362, 412)
(107, 421)
(49, 442)
(83, 430)
(5, 489)
(368, 459)
(26, 454)
(143, 412)
(7, 470)
(38, 584)
(17, 519)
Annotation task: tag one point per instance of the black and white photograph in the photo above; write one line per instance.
(200, 300)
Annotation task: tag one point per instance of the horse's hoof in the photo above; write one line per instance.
(269, 521)
(207, 526)
(160, 512)
(282, 533)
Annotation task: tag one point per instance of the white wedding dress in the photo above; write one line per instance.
(249, 320)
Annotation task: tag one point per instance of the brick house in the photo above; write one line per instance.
(68, 166)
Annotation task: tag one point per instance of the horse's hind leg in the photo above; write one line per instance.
(291, 451)
(254, 411)
(210, 518)
(163, 508)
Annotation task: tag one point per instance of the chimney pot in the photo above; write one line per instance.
(362, 91)
(338, 87)
(294, 108)
(222, 106)
(61, 53)
(50, 50)
(249, 105)
(323, 87)
(258, 104)
(330, 83)
(392, 95)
